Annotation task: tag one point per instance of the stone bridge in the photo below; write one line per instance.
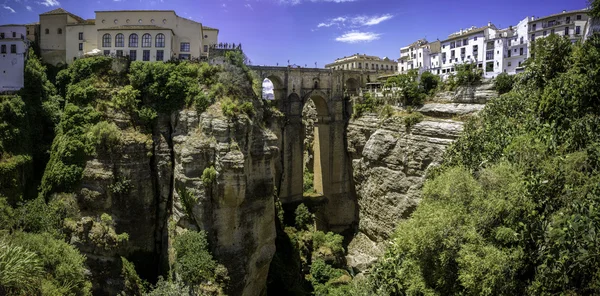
(330, 91)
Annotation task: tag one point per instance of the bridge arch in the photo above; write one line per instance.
(273, 83)
(352, 85)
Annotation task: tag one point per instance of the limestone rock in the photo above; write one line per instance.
(389, 166)
(450, 110)
(237, 209)
(478, 94)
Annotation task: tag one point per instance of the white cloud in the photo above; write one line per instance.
(356, 21)
(8, 8)
(49, 3)
(28, 8)
(356, 36)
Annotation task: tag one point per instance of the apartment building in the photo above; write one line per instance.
(572, 24)
(494, 50)
(13, 52)
(420, 55)
(364, 62)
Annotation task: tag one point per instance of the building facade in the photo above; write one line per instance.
(143, 35)
(13, 53)
(494, 50)
(364, 62)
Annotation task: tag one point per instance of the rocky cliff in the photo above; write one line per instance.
(390, 162)
(237, 208)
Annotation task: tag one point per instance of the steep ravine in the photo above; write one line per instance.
(390, 163)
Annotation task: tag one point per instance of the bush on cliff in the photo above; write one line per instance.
(514, 208)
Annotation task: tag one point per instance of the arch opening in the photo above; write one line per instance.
(316, 147)
(352, 86)
(272, 88)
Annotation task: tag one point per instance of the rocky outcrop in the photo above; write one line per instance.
(450, 109)
(478, 94)
(237, 208)
(389, 166)
(152, 186)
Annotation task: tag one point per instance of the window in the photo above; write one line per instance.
(146, 55)
(463, 51)
(160, 40)
(205, 48)
(568, 20)
(551, 23)
(119, 40)
(552, 32)
(521, 51)
(465, 42)
(509, 54)
(489, 67)
(116, 21)
(59, 31)
(489, 55)
(509, 64)
(452, 55)
(133, 55)
(475, 39)
(119, 53)
(566, 31)
(532, 37)
(106, 52)
(14, 34)
(522, 40)
(47, 31)
(80, 46)
(577, 30)
(544, 33)
(160, 54)
(579, 17)
(419, 54)
(184, 47)
(133, 40)
(147, 40)
(443, 56)
(452, 44)
(80, 35)
(106, 40)
(3, 48)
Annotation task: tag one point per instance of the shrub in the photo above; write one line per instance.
(304, 218)
(308, 182)
(233, 108)
(368, 104)
(503, 83)
(412, 119)
(64, 267)
(386, 112)
(20, 270)
(330, 240)
(209, 176)
(133, 284)
(169, 288)
(193, 262)
(467, 74)
(429, 82)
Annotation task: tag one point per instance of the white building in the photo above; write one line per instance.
(573, 24)
(473, 45)
(143, 35)
(13, 53)
(420, 55)
(516, 50)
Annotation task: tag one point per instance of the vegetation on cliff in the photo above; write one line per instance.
(514, 208)
(99, 108)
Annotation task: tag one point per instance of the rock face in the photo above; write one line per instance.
(479, 94)
(389, 166)
(162, 192)
(237, 208)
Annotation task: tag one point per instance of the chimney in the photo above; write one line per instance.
(489, 24)
(564, 11)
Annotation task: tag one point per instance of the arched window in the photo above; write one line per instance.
(160, 40)
(106, 40)
(147, 40)
(119, 40)
(133, 40)
(47, 31)
(59, 31)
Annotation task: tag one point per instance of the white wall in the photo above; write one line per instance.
(167, 50)
(12, 65)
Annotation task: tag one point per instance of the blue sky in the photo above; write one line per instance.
(309, 31)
